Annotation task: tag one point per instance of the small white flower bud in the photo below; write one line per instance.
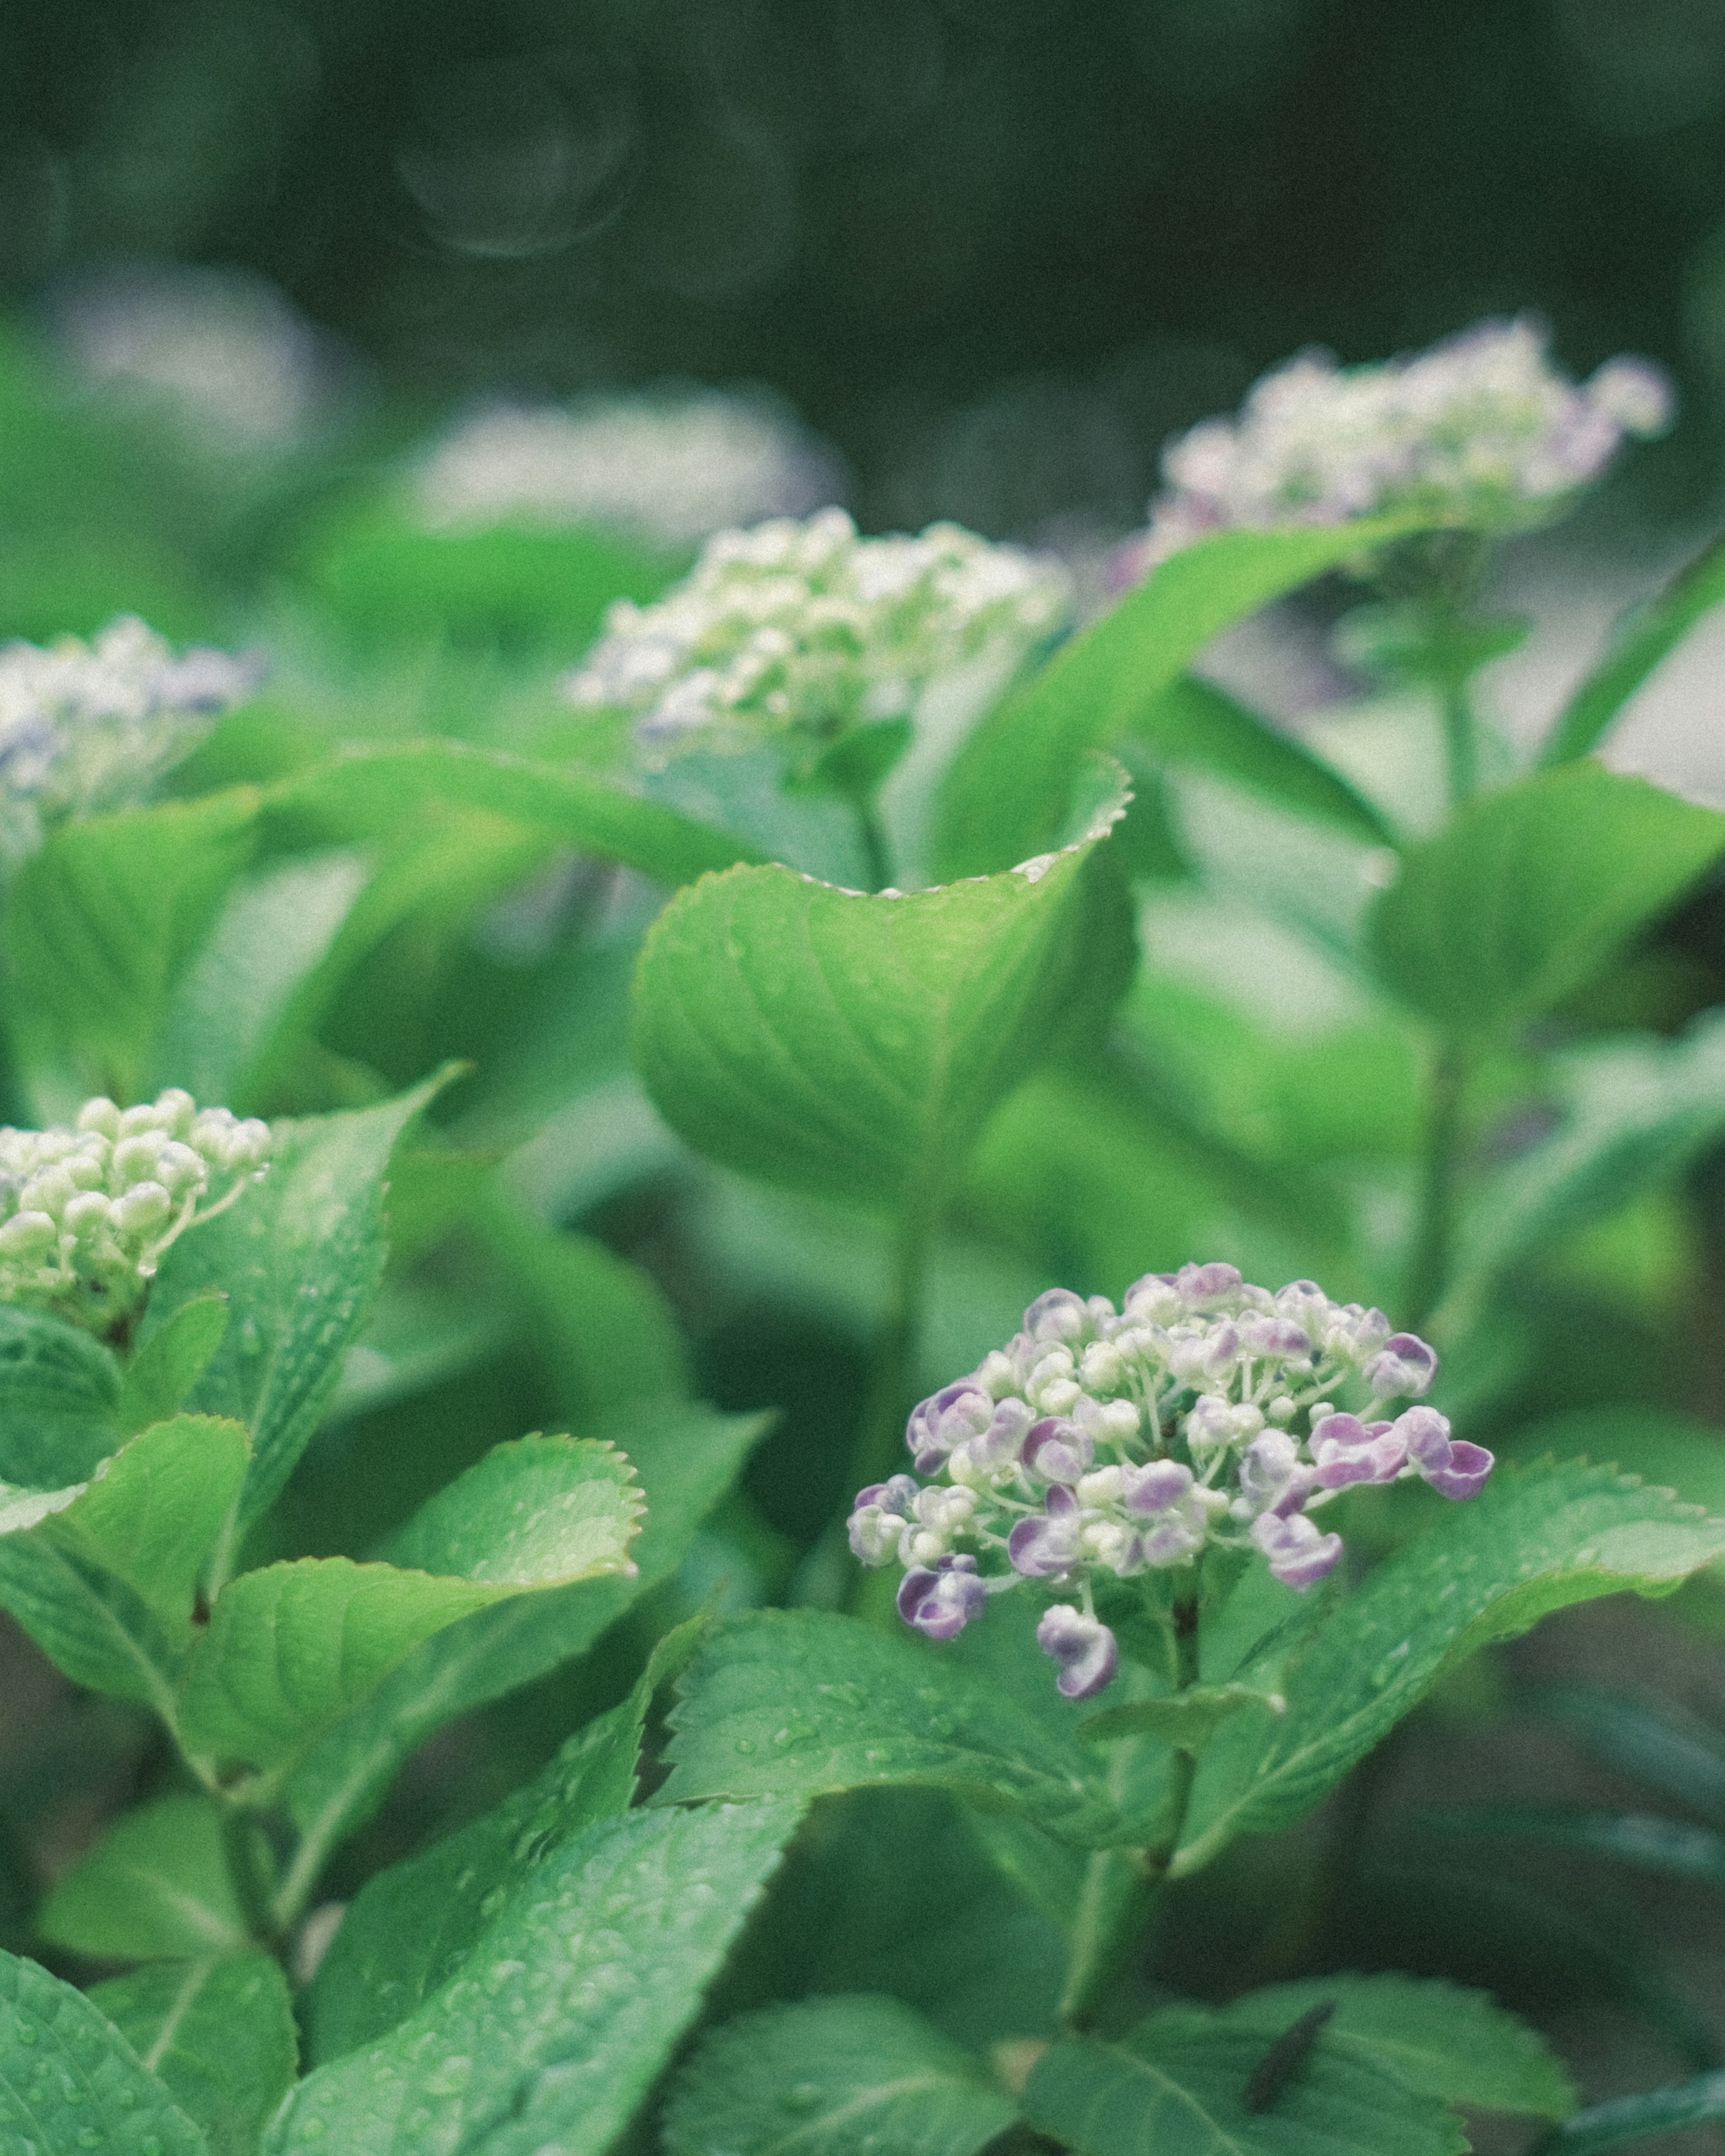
(1101, 1486)
(996, 1375)
(135, 1156)
(178, 1167)
(176, 1109)
(50, 1192)
(1056, 1396)
(27, 1235)
(1101, 1369)
(1282, 1408)
(85, 1214)
(145, 1116)
(145, 1206)
(920, 1545)
(100, 1115)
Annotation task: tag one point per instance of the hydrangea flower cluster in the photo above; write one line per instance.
(1481, 431)
(807, 628)
(1102, 1445)
(89, 727)
(673, 469)
(86, 1213)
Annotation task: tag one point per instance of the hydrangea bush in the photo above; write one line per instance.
(485, 1741)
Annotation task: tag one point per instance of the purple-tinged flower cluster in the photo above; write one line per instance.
(1200, 1414)
(1481, 431)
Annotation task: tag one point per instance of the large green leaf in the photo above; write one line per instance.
(367, 793)
(844, 2076)
(170, 1363)
(104, 1576)
(155, 1887)
(69, 2082)
(1177, 2087)
(1642, 639)
(59, 1390)
(1007, 790)
(300, 1256)
(851, 1042)
(802, 1702)
(410, 1927)
(291, 1648)
(219, 2033)
(1439, 2040)
(1527, 892)
(1535, 1540)
(585, 1977)
(685, 1458)
(100, 924)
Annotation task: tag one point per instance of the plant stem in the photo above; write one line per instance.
(1121, 1886)
(877, 851)
(1429, 1259)
(249, 1868)
(880, 1439)
(1460, 740)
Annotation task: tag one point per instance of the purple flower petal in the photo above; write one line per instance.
(1349, 1450)
(1451, 1466)
(1299, 1554)
(1043, 1548)
(1084, 1648)
(1056, 1451)
(1279, 1336)
(940, 1604)
(1058, 1314)
(1154, 1487)
(1403, 1366)
(1202, 1287)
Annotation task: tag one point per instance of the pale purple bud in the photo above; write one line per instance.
(1634, 393)
(1279, 1336)
(1043, 1548)
(1299, 1555)
(942, 1602)
(1212, 1355)
(1273, 1478)
(1084, 1648)
(1056, 1451)
(1172, 1540)
(877, 1520)
(997, 1447)
(1206, 1287)
(1058, 1314)
(1403, 1366)
(1155, 1486)
(958, 1411)
(1451, 1466)
(1349, 1450)
(1356, 1332)
(1153, 1299)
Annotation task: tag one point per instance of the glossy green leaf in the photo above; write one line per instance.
(69, 2082)
(849, 1042)
(104, 1576)
(291, 1648)
(1007, 790)
(59, 1393)
(300, 1257)
(156, 1887)
(801, 1702)
(410, 1927)
(843, 2076)
(170, 1363)
(1436, 2038)
(1642, 639)
(100, 924)
(1527, 892)
(1186, 1720)
(1627, 2119)
(1535, 1540)
(685, 1458)
(588, 1975)
(375, 791)
(219, 2033)
(1176, 2087)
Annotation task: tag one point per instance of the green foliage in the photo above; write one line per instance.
(59, 1401)
(1527, 892)
(845, 2077)
(176, 1354)
(1630, 2118)
(155, 1887)
(218, 2033)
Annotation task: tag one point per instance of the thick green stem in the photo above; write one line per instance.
(1121, 1886)
(878, 1450)
(251, 1870)
(877, 851)
(1429, 1260)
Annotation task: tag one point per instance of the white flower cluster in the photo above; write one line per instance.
(89, 727)
(672, 468)
(1481, 431)
(85, 1214)
(1105, 1445)
(808, 627)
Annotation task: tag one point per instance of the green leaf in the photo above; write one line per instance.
(366, 792)
(1007, 789)
(685, 1458)
(219, 2033)
(1649, 1740)
(592, 1970)
(802, 1702)
(1670, 1847)
(1176, 2086)
(1629, 2118)
(1642, 639)
(1437, 2039)
(1526, 893)
(70, 2083)
(156, 1887)
(847, 1042)
(844, 2076)
(292, 1647)
(99, 925)
(104, 1577)
(300, 1257)
(412, 1925)
(1185, 1720)
(170, 1363)
(59, 1393)
(1535, 1540)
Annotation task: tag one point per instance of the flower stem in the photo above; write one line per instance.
(1434, 1233)
(1122, 1887)
(249, 1868)
(877, 851)
(1460, 740)
(880, 1439)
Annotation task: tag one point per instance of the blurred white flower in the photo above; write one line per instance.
(807, 628)
(1482, 431)
(669, 467)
